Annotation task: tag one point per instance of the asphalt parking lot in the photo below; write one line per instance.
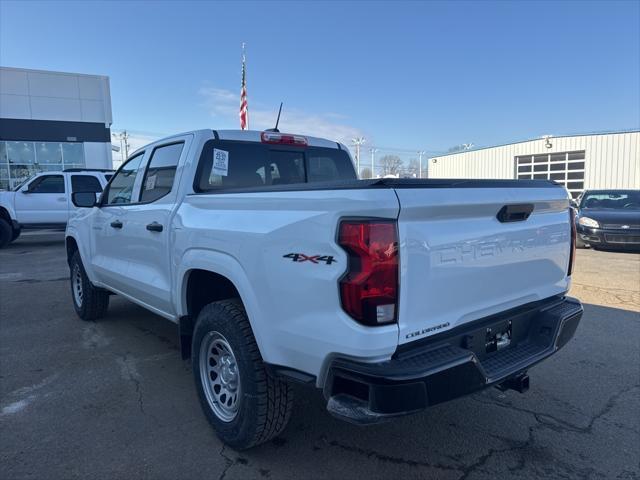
(113, 399)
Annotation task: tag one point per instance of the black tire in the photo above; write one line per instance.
(16, 234)
(265, 402)
(6, 232)
(93, 302)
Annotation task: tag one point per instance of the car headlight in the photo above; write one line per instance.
(588, 222)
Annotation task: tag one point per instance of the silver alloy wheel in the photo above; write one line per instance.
(76, 285)
(220, 376)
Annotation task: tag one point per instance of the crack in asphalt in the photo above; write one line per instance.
(543, 420)
(557, 424)
(130, 373)
(384, 457)
(229, 463)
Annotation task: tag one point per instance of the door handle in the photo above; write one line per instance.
(154, 227)
(515, 213)
(116, 224)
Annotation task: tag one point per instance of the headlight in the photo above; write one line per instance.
(588, 222)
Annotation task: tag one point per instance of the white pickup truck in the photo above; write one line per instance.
(278, 265)
(44, 200)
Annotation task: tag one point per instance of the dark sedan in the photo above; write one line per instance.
(609, 218)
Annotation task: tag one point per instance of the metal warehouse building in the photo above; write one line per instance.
(580, 162)
(50, 121)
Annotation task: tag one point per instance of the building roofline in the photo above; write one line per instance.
(588, 134)
(55, 72)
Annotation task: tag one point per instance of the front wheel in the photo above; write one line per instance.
(16, 234)
(244, 403)
(89, 302)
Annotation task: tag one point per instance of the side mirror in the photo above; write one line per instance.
(84, 199)
(574, 204)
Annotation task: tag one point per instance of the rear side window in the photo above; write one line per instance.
(231, 164)
(47, 184)
(121, 187)
(85, 183)
(158, 179)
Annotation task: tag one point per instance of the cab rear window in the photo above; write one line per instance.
(232, 164)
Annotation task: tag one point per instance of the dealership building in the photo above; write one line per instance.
(51, 121)
(579, 162)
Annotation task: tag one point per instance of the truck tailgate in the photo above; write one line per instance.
(459, 262)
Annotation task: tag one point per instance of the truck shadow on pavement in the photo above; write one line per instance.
(555, 430)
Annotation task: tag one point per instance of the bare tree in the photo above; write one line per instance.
(413, 169)
(391, 165)
(365, 173)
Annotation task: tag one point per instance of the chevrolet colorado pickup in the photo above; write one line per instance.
(44, 200)
(278, 265)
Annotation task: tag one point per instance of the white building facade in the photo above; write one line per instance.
(579, 162)
(50, 121)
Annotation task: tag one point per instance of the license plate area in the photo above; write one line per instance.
(496, 336)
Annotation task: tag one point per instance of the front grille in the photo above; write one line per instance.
(627, 239)
(618, 226)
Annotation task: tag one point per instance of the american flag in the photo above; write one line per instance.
(244, 108)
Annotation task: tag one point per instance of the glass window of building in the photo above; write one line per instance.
(48, 153)
(20, 160)
(21, 153)
(73, 155)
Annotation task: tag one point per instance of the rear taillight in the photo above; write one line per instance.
(572, 255)
(283, 139)
(369, 288)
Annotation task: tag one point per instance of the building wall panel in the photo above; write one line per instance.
(611, 160)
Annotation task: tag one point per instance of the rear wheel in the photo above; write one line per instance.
(244, 403)
(6, 233)
(89, 302)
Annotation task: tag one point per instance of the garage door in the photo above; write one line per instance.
(566, 168)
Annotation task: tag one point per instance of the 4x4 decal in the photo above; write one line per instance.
(301, 257)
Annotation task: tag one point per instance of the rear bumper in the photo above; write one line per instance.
(612, 238)
(450, 365)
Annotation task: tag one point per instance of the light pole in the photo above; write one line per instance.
(420, 154)
(124, 144)
(121, 149)
(373, 157)
(357, 142)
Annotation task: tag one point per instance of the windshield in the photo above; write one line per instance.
(19, 186)
(612, 200)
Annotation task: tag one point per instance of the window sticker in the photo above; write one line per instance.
(220, 163)
(150, 184)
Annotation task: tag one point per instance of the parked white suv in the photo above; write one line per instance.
(44, 200)
(278, 265)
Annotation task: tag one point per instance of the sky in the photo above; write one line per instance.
(411, 75)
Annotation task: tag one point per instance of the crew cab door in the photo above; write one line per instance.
(147, 231)
(132, 253)
(111, 252)
(43, 201)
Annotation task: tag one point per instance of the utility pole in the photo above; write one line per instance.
(121, 147)
(373, 157)
(125, 137)
(420, 154)
(357, 142)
